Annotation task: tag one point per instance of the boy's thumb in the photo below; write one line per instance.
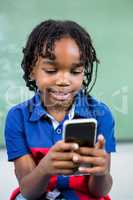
(101, 142)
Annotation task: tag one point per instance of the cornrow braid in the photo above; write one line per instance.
(41, 43)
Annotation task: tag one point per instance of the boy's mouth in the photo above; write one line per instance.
(62, 95)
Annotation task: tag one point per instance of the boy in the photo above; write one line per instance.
(58, 65)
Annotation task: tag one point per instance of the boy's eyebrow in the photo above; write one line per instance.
(76, 64)
(49, 61)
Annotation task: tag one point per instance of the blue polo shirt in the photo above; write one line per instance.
(29, 130)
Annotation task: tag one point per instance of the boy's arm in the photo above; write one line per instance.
(30, 176)
(100, 185)
(99, 181)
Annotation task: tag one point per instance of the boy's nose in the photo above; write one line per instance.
(63, 79)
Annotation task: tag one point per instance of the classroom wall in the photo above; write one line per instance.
(110, 24)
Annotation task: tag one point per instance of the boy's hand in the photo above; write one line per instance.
(59, 159)
(95, 156)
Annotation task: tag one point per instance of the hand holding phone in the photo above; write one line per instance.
(82, 132)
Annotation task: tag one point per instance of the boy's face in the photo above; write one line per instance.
(59, 79)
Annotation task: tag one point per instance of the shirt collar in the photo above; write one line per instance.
(69, 116)
(81, 107)
(36, 108)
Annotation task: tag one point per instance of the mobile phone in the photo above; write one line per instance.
(81, 131)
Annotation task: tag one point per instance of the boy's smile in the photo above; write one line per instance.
(60, 95)
(61, 78)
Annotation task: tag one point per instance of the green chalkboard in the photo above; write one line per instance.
(110, 24)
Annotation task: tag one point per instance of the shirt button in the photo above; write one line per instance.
(58, 131)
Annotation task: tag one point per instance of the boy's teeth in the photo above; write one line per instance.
(60, 96)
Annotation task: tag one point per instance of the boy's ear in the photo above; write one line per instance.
(32, 75)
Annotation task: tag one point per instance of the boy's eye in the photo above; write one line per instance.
(50, 71)
(78, 71)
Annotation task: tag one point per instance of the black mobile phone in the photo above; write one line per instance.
(81, 131)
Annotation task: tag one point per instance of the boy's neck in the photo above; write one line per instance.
(57, 114)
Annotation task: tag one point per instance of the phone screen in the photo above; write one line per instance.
(81, 133)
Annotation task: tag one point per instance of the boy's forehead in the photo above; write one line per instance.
(50, 44)
(52, 51)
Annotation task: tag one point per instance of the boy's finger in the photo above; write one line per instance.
(101, 142)
(62, 146)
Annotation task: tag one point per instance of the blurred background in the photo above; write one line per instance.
(110, 24)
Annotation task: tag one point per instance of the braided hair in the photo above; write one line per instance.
(46, 33)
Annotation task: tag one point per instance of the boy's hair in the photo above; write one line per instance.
(46, 33)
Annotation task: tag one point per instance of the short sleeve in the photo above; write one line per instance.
(106, 126)
(14, 134)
